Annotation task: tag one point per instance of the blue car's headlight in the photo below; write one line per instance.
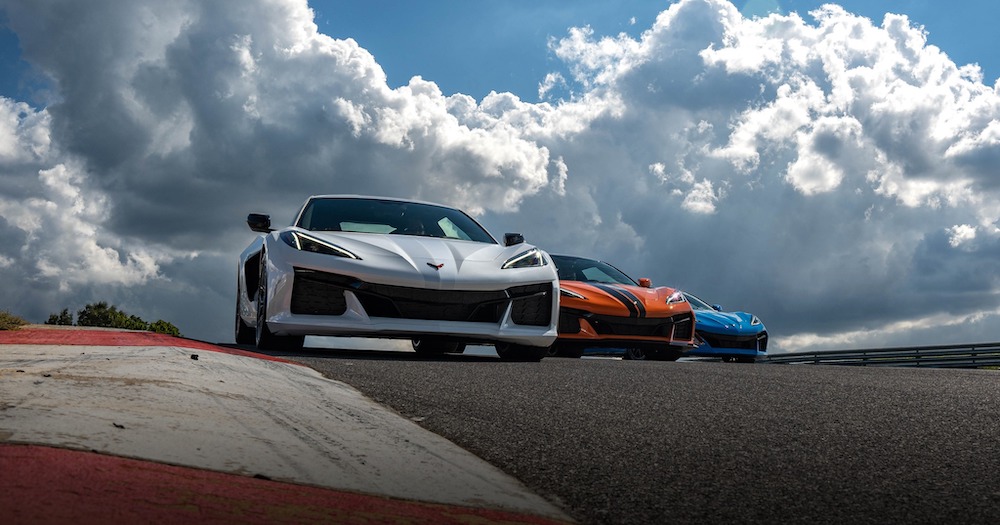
(525, 259)
(754, 321)
(571, 293)
(307, 243)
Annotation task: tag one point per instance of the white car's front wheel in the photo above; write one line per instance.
(264, 338)
(243, 333)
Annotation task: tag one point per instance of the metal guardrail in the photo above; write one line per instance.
(951, 356)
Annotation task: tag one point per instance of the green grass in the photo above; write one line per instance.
(9, 321)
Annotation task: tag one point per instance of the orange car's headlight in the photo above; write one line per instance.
(676, 297)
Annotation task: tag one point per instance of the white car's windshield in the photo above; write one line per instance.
(393, 217)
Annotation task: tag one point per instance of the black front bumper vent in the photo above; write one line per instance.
(680, 327)
(746, 342)
(322, 293)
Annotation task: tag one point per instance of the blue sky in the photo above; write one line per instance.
(12, 67)
(830, 173)
(478, 47)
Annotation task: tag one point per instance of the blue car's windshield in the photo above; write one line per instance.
(697, 303)
(589, 270)
(388, 216)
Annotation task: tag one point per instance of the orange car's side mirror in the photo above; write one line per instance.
(645, 282)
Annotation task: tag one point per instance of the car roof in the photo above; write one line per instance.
(577, 257)
(379, 198)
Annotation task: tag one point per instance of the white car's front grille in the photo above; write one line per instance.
(321, 293)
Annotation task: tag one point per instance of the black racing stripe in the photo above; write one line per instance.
(636, 301)
(617, 294)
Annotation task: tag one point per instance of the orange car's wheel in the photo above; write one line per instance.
(635, 354)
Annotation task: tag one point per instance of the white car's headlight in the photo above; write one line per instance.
(571, 293)
(308, 243)
(525, 259)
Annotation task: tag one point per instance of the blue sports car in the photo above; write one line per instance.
(733, 336)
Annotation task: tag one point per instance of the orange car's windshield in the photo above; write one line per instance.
(589, 270)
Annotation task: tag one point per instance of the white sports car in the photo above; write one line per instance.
(381, 267)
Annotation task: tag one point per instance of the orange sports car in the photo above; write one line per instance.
(601, 307)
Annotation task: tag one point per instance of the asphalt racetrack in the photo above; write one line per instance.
(630, 442)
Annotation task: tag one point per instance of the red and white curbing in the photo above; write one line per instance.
(249, 424)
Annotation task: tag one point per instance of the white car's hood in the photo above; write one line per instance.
(433, 262)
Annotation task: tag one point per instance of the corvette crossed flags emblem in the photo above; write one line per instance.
(436, 266)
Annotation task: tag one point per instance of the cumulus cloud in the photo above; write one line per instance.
(961, 234)
(63, 236)
(175, 120)
(804, 166)
(832, 174)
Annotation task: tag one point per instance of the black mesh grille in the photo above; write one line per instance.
(319, 292)
(683, 327)
(569, 323)
(747, 342)
(679, 325)
(532, 304)
(645, 326)
(313, 295)
(381, 300)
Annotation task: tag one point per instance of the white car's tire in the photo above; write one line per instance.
(244, 334)
(264, 338)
